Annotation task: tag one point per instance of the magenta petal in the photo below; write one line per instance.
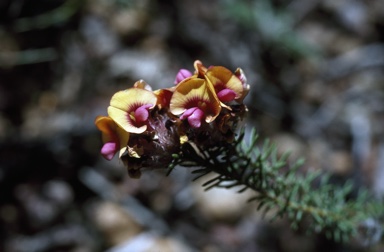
(109, 150)
(141, 113)
(195, 119)
(187, 113)
(181, 75)
(226, 95)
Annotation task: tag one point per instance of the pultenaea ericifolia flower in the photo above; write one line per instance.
(201, 96)
(194, 99)
(147, 127)
(227, 86)
(130, 109)
(114, 138)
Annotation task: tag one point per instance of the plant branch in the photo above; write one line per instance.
(306, 199)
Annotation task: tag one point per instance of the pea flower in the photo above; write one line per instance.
(114, 138)
(195, 100)
(227, 86)
(130, 109)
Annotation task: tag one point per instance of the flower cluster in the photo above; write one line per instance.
(147, 127)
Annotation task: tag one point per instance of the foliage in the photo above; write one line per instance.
(308, 200)
(275, 26)
(54, 17)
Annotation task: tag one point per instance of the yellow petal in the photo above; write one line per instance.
(212, 89)
(129, 99)
(200, 69)
(124, 103)
(107, 127)
(123, 140)
(122, 119)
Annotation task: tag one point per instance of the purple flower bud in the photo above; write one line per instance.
(187, 113)
(226, 95)
(141, 113)
(195, 119)
(181, 75)
(109, 150)
(194, 115)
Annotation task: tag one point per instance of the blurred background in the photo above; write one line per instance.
(316, 70)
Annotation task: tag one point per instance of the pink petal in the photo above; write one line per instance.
(195, 119)
(187, 113)
(109, 150)
(226, 95)
(181, 75)
(141, 113)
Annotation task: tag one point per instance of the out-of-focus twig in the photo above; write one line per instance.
(31, 56)
(378, 185)
(55, 16)
(361, 58)
(301, 8)
(100, 185)
(361, 145)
